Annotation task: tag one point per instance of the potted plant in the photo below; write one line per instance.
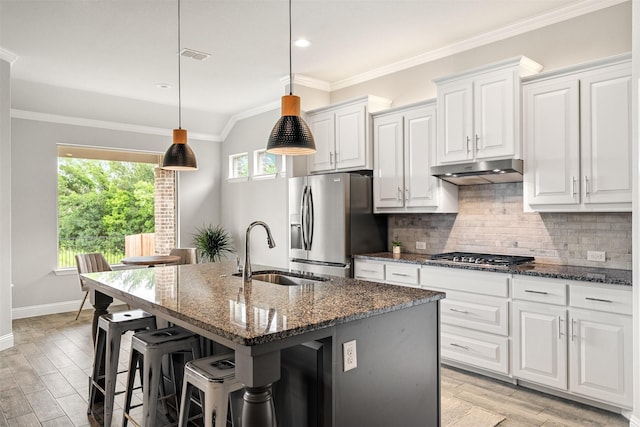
(396, 246)
(213, 242)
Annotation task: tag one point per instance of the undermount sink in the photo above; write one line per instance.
(284, 278)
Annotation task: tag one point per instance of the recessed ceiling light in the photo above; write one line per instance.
(302, 43)
(68, 154)
(163, 85)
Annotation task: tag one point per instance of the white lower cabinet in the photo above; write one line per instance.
(573, 337)
(486, 351)
(600, 356)
(474, 316)
(540, 343)
(392, 272)
(582, 346)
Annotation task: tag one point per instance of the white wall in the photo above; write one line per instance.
(588, 37)
(34, 204)
(635, 418)
(6, 335)
(265, 200)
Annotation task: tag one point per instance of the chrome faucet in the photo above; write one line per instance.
(246, 273)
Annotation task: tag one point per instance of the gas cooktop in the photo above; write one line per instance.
(486, 259)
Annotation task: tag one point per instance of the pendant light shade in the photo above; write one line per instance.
(291, 135)
(179, 156)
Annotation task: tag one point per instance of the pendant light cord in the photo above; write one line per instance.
(290, 43)
(179, 74)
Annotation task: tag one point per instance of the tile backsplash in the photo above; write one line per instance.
(490, 219)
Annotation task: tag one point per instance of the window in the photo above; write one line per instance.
(103, 196)
(239, 166)
(264, 163)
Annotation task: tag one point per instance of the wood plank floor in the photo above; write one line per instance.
(44, 382)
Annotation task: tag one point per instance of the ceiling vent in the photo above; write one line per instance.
(194, 54)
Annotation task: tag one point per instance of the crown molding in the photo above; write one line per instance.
(246, 114)
(101, 124)
(520, 27)
(8, 56)
(310, 82)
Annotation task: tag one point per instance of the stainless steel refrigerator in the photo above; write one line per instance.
(331, 219)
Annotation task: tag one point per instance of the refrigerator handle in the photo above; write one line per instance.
(310, 207)
(303, 214)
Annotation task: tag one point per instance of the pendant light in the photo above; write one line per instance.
(179, 156)
(291, 135)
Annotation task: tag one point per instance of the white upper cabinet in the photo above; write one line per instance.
(577, 138)
(404, 145)
(342, 135)
(479, 112)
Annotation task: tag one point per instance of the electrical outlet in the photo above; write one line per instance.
(596, 256)
(421, 245)
(350, 359)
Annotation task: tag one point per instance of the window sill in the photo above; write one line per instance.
(264, 177)
(238, 179)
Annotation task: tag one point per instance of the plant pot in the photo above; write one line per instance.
(396, 250)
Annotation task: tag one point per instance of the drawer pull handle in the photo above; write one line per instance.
(459, 311)
(368, 271)
(401, 274)
(536, 292)
(598, 299)
(464, 347)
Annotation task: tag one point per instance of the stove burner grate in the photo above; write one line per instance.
(487, 259)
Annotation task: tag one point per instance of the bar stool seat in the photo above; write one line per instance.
(147, 350)
(111, 327)
(215, 378)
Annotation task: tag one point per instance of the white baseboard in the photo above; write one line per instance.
(6, 341)
(54, 308)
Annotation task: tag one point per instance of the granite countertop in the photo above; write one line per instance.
(209, 297)
(566, 272)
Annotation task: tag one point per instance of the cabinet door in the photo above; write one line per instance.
(551, 139)
(455, 122)
(351, 150)
(421, 189)
(322, 126)
(540, 343)
(387, 144)
(494, 115)
(600, 356)
(606, 136)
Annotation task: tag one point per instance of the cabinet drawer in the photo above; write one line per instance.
(479, 312)
(404, 274)
(536, 290)
(369, 271)
(601, 298)
(479, 282)
(475, 348)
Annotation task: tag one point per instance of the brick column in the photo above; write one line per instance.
(165, 211)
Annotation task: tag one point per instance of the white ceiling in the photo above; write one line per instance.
(125, 47)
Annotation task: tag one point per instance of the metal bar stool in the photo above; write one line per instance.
(215, 378)
(111, 327)
(147, 351)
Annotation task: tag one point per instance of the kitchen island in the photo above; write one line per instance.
(396, 331)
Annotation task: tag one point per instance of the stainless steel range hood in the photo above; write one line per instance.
(483, 172)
